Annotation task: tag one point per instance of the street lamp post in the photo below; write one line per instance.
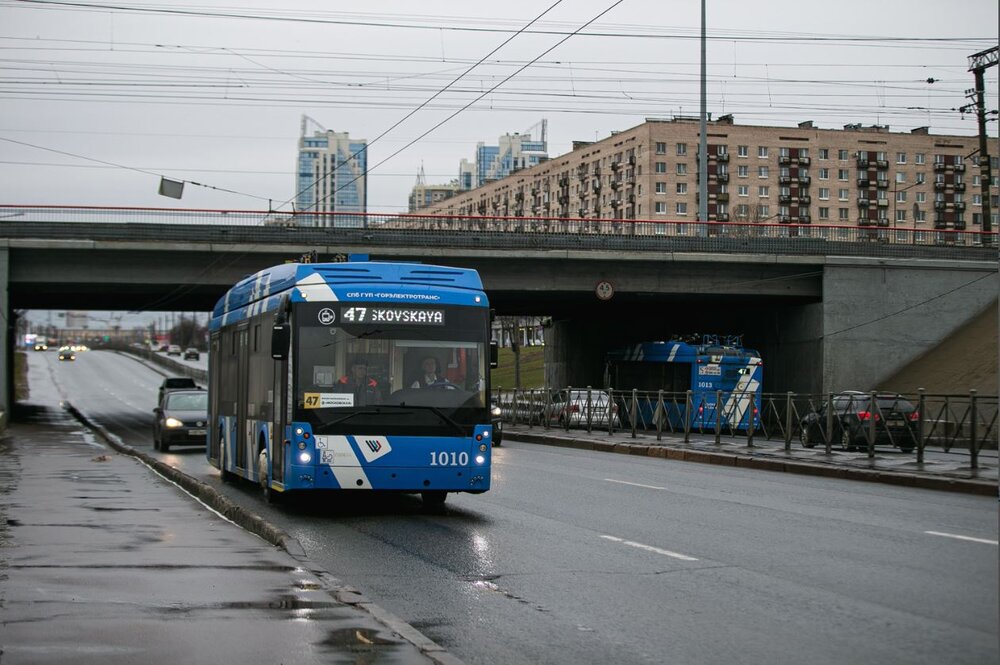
(895, 202)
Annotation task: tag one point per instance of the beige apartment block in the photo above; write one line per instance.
(855, 176)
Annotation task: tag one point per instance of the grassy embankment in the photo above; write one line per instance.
(532, 368)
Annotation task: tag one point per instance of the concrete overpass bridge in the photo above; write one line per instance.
(830, 308)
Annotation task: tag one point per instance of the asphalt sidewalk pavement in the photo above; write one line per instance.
(104, 560)
(939, 471)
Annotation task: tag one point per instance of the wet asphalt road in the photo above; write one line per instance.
(582, 557)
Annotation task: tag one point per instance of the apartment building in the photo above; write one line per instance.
(855, 176)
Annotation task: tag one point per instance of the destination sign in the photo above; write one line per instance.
(391, 315)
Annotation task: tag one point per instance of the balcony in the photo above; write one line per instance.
(882, 221)
(959, 168)
(804, 161)
(805, 219)
(940, 186)
(959, 186)
(959, 226)
(784, 160)
(722, 177)
(722, 197)
(864, 183)
(615, 184)
(862, 162)
(882, 203)
(864, 221)
(940, 224)
(785, 180)
(724, 157)
(959, 206)
(941, 166)
(941, 205)
(864, 203)
(723, 217)
(616, 165)
(882, 164)
(882, 184)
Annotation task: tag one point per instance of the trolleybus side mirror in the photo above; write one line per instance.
(494, 355)
(280, 338)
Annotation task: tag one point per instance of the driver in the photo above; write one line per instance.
(431, 373)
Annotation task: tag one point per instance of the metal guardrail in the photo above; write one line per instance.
(949, 423)
(177, 368)
(347, 230)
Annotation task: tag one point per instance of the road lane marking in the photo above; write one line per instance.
(625, 482)
(650, 548)
(985, 541)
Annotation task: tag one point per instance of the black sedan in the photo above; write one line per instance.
(893, 418)
(181, 419)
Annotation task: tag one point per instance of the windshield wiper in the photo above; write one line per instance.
(442, 415)
(377, 412)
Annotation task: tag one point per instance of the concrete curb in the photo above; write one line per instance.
(963, 485)
(256, 524)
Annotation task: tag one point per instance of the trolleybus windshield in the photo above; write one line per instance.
(389, 368)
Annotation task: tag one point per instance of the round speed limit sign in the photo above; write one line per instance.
(604, 290)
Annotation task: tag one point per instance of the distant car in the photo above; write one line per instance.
(173, 350)
(191, 354)
(79, 347)
(181, 419)
(495, 413)
(176, 383)
(41, 346)
(895, 420)
(66, 353)
(574, 408)
(163, 348)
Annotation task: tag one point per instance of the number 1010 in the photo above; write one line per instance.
(449, 459)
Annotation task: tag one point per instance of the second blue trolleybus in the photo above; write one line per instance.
(353, 376)
(707, 365)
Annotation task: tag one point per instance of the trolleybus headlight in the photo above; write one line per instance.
(173, 422)
(299, 430)
(482, 448)
(305, 458)
(480, 459)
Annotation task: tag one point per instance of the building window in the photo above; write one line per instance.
(824, 154)
(977, 199)
(843, 193)
(900, 215)
(900, 176)
(920, 158)
(661, 148)
(824, 174)
(661, 187)
(921, 178)
(682, 149)
(783, 152)
(743, 171)
(721, 150)
(843, 174)
(682, 208)
(843, 214)
(660, 208)
(900, 197)
(742, 211)
(762, 151)
(682, 168)
(842, 155)
(824, 213)
(682, 188)
(661, 167)
(742, 151)
(763, 172)
(763, 212)
(764, 191)
(743, 190)
(900, 157)
(824, 193)
(919, 216)
(921, 197)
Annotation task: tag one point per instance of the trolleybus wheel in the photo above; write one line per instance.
(434, 498)
(270, 496)
(226, 476)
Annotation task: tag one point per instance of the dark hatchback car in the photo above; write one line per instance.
(496, 420)
(181, 419)
(895, 421)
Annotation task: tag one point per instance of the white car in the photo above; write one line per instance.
(173, 350)
(574, 408)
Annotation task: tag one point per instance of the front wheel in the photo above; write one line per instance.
(805, 440)
(434, 498)
(846, 440)
(270, 496)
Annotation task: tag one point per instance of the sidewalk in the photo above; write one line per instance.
(942, 472)
(103, 561)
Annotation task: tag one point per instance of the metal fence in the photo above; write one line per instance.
(964, 424)
(871, 239)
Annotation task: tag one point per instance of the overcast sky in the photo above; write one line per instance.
(100, 100)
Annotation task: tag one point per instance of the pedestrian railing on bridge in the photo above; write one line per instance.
(963, 424)
(873, 238)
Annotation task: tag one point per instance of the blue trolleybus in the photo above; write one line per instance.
(354, 376)
(707, 365)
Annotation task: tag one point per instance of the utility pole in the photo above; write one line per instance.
(703, 139)
(979, 63)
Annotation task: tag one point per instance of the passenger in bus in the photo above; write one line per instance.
(358, 381)
(431, 373)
